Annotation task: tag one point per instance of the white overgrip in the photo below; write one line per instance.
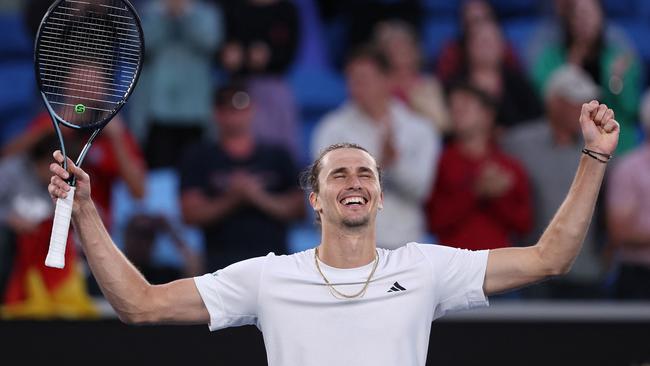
(62, 214)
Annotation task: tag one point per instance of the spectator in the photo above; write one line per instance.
(176, 93)
(481, 198)
(553, 145)
(485, 67)
(423, 93)
(33, 290)
(237, 184)
(261, 44)
(616, 69)
(139, 240)
(114, 155)
(551, 27)
(628, 213)
(405, 144)
(452, 58)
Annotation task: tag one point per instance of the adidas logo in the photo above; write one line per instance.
(396, 287)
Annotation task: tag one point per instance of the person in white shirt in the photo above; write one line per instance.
(345, 302)
(405, 144)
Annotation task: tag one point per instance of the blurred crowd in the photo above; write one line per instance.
(479, 141)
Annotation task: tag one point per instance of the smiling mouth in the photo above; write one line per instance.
(354, 201)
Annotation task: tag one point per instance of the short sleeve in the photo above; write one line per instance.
(458, 277)
(230, 294)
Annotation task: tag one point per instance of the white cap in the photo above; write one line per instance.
(573, 84)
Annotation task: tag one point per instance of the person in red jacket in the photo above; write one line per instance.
(481, 198)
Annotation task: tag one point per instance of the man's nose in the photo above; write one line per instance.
(354, 182)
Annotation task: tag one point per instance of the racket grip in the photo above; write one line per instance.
(62, 214)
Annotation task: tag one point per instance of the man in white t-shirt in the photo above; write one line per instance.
(346, 302)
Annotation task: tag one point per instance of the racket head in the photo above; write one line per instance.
(88, 56)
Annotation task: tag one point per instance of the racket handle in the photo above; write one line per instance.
(56, 253)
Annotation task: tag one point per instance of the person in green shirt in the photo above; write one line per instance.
(612, 66)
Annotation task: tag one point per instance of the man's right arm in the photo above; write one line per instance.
(134, 299)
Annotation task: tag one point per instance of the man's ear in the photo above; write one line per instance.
(381, 200)
(314, 201)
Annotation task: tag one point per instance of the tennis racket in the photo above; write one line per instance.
(88, 56)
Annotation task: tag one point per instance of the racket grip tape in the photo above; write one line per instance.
(62, 214)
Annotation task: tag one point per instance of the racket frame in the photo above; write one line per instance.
(56, 252)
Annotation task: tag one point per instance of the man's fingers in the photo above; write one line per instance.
(599, 114)
(609, 115)
(611, 126)
(59, 171)
(587, 109)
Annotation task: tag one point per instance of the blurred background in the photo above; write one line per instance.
(471, 108)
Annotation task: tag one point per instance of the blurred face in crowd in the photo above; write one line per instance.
(475, 12)
(349, 189)
(585, 20)
(470, 116)
(485, 45)
(367, 84)
(400, 47)
(235, 118)
(563, 114)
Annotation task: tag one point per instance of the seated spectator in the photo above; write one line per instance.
(551, 28)
(628, 214)
(139, 239)
(481, 198)
(114, 155)
(239, 183)
(175, 97)
(452, 58)
(550, 149)
(405, 145)
(485, 67)
(34, 290)
(423, 93)
(261, 44)
(614, 68)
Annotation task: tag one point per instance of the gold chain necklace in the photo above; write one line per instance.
(336, 293)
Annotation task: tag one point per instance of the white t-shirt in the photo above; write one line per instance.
(304, 324)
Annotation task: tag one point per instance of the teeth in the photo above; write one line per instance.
(350, 200)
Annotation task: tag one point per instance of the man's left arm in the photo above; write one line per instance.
(559, 245)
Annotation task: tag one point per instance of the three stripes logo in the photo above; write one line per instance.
(396, 288)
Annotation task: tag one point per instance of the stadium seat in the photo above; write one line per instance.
(519, 31)
(317, 89)
(436, 33)
(17, 87)
(516, 8)
(441, 8)
(16, 44)
(162, 198)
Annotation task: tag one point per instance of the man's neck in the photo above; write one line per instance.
(377, 111)
(476, 146)
(238, 146)
(348, 248)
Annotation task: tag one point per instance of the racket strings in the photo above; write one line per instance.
(88, 55)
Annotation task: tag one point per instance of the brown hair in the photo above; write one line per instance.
(309, 176)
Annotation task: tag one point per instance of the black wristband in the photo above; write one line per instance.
(594, 154)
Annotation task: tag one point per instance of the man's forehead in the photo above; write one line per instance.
(351, 158)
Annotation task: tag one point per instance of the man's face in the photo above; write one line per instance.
(366, 83)
(564, 114)
(468, 114)
(350, 193)
(233, 121)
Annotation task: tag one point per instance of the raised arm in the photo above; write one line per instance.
(554, 253)
(133, 298)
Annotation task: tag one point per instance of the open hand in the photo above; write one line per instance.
(599, 128)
